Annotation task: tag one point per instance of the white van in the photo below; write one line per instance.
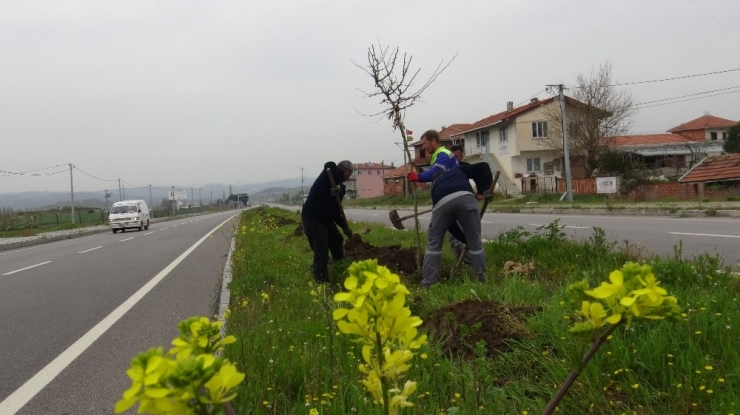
(129, 214)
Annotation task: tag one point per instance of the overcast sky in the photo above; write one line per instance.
(196, 92)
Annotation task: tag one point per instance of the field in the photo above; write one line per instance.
(501, 347)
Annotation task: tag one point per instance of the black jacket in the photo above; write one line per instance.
(320, 204)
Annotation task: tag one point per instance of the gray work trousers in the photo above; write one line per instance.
(464, 210)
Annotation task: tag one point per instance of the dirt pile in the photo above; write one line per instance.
(460, 326)
(397, 259)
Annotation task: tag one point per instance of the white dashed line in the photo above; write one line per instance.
(705, 234)
(91, 249)
(127, 239)
(23, 269)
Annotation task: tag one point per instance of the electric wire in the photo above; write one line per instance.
(24, 173)
(675, 78)
(690, 99)
(90, 175)
(639, 104)
(10, 173)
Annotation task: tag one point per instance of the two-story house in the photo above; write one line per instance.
(369, 178)
(515, 142)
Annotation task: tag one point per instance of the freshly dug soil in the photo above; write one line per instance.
(397, 259)
(498, 325)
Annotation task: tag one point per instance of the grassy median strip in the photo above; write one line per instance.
(501, 347)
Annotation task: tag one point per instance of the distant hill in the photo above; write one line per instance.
(50, 200)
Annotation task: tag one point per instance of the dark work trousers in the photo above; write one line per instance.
(323, 237)
(464, 210)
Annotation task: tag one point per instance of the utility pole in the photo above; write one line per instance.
(107, 195)
(151, 201)
(566, 151)
(303, 197)
(192, 195)
(124, 191)
(120, 197)
(173, 200)
(211, 197)
(200, 199)
(72, 192)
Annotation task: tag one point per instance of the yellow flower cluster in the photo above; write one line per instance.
(380, 320)
(633, 293)
(188, 379)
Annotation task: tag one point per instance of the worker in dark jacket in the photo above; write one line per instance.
(321, 215)
(455, 206)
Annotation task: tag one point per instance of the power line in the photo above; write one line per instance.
(690, 99)
(25, 173)
(669, 79)
(685, 96)
(94, 177)
(10, 173)
(530, 98)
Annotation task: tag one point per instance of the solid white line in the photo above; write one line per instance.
(33, 386)
(23, 269)
(127, 239)
(705, 234)
(91, 249)
(149, 233)
(483, 221)
(534, 224)
(576, 227)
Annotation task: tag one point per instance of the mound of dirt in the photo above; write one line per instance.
(397, 259)
(491, 322)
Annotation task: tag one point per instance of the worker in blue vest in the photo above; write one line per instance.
(441, 160)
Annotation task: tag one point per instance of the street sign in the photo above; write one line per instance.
(178, 195)
(606, 185)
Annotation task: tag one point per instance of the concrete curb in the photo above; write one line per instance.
(224, 297)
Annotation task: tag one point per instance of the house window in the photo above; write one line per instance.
(481, 138)
(713, 134)
(359, 172)
(378, 172)
(370, 172)
(503, 138)
(539, 129)
(533, 164)
(724, 135)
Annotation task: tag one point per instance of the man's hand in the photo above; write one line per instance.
(347, 231)
(413, 177)
(335, 191)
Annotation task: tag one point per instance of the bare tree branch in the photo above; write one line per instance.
(395, 87)
(601, 113)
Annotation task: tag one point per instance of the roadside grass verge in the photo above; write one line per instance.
(296, 360)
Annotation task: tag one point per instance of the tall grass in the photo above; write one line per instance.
(295, 359)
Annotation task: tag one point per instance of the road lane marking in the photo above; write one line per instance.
(91, 249)
(705, 234)
(21, 396)
(483, 221)
(23, 269)
(562, 226)
(149, 233)
(127, 239)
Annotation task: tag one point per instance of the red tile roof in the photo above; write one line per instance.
(398, 172)
(445, 133)
(702, 123)
(714, 169)
(646, 139)
(506, 115)
(369, 166)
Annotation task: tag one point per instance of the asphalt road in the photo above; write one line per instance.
(657, 235)
(75, 312)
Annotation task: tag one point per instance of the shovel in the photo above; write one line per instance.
(397, 221)
(341, 209)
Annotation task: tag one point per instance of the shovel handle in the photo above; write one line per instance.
(339, 201)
